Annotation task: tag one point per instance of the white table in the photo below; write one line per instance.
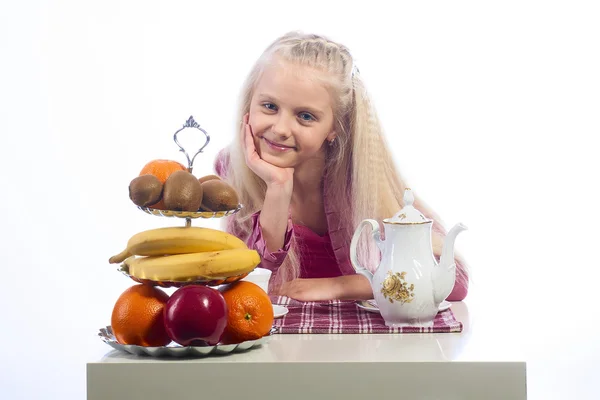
(417, 366)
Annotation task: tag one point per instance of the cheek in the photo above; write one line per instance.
(259, 122)
(312, 141)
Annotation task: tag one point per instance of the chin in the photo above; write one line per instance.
(276, 161)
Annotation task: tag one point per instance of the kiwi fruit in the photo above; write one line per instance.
(182, 192)
(145, 190)
(218, 196)
(208, 178)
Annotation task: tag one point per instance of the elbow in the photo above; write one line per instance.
(458, 293)
(461, 287)
(461, 283)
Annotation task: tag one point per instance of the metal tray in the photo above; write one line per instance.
(190, 214)
(175, 350)
(124, 269)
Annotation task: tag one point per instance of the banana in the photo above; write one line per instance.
(186, 267)
(177, 240)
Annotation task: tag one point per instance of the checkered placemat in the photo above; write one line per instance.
(346, 317)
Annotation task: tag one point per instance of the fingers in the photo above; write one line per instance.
(244, 132)
(252, 157)
(277, 290)
(243, 129)
(282, 289)
(248, 141)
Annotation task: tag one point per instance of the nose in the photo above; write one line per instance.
(282, 127)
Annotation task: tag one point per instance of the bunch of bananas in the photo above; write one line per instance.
(186, 253)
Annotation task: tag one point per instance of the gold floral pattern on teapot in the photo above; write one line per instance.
(395, 287)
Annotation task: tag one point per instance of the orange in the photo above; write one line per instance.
(161, 169)
(137, 317)
(250, 312)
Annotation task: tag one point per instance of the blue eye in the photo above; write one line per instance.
(306, 117)
(270, 106)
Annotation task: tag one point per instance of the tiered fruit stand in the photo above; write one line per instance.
(174, 349)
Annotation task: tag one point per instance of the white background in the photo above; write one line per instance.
(491, 110)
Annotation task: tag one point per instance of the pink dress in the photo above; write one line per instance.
(317, 259)
(320, 256)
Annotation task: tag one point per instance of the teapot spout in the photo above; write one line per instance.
(445, 273)
(447, 258)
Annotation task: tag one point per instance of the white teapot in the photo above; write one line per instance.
(409, 284)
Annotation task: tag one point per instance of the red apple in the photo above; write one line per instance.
(195, 314)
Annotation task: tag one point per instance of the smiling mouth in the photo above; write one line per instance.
(277, 146)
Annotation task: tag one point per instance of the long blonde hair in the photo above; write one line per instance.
(361, 178)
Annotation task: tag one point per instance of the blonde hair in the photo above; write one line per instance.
(361, 178)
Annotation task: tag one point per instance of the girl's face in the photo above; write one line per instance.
(291, 115)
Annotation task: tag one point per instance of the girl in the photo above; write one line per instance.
(310, 163)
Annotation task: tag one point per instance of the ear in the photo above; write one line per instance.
(332, 135)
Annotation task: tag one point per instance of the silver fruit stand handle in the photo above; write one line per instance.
(190, 123)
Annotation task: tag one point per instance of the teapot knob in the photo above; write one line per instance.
(409, 197)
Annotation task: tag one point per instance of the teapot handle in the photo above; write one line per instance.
(353, 256)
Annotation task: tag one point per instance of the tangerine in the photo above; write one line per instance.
(161, 169)
(137, 316)
(250, 312)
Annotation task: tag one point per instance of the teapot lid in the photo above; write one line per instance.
(409, 215)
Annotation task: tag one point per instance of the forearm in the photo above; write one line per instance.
(274, 216)
(352, 287)
(348, 287)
